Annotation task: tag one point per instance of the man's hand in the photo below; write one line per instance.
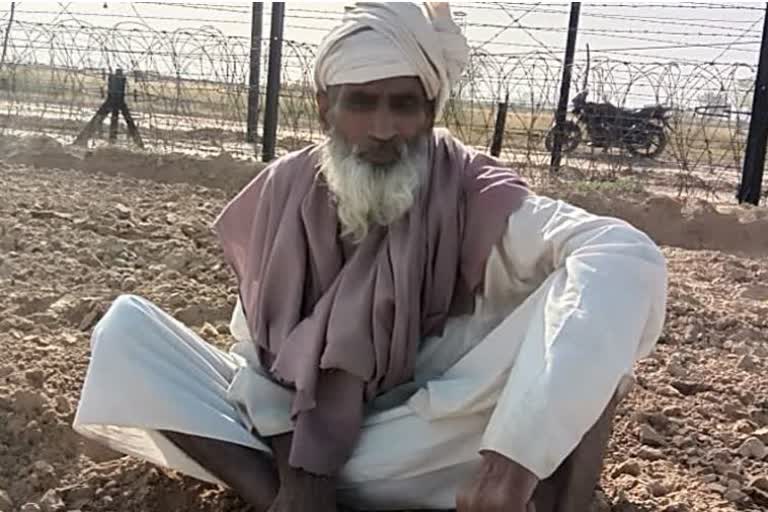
(501, 485)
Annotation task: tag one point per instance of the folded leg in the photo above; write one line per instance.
(151, 374)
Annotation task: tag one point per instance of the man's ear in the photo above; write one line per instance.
(323, 107)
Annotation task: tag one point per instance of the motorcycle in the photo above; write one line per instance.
(640, 131)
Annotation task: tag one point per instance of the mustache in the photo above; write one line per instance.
(403, 149)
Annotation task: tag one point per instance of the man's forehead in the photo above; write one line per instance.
(387, 86)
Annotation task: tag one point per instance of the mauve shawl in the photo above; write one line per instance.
(341, 328)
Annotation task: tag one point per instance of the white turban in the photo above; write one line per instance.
(378, 40)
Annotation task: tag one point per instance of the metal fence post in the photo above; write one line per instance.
(498, 130)
(257, 14)
(565, 87)
(754, 158)
(271, 109)
(7, 34)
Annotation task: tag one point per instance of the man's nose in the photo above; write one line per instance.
(382, 127)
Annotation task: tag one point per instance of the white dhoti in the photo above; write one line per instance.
(150, 373)
(519, 376)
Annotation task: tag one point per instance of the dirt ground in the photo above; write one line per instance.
(75, 233)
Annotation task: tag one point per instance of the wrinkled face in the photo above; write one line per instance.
(377, 118)
(375, 158)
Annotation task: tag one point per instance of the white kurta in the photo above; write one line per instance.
(571, 301)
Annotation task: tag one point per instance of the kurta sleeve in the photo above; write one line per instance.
(605, 304)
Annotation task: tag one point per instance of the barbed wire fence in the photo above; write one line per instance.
(188, 85)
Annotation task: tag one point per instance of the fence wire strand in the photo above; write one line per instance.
(188, 86)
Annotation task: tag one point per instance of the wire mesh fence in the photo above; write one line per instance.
(188, 68)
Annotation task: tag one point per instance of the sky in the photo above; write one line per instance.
(712, 45)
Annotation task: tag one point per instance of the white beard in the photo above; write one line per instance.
(367, 194)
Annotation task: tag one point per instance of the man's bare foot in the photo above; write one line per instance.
(300, 490)
(250, 473)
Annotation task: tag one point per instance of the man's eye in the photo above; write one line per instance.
(359, 103)
(406, 105)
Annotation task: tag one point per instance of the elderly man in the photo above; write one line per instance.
(415, 329)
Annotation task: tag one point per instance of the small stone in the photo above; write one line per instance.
(68, 339)
(630, 467)
(760, 351)
(648, 453)
(63, 405)
(734, 411)
(122, 211)
(27, 401)
(649, 436)
(43, 467)
(35, 377)
(720, 489)
(759, 417)
(761, 434)
(89, 319)
(743, 427)
(753, 448)
(675, 507)
(708, 479)
(760, 482)
(209, 331)
(129, 284)
(724, 468)
(6, 504)
(676, 370)
(178, 260)
(759, 496)
(721, 455)
(673, 411)
(746, 363)
(682, 442)
(658, 421)
(740, 349)
(80, 494)
(52, 502)
(689, 388)
(735, 495)
(30, 507)
(658, 489)
(747, 398)
(670, 391)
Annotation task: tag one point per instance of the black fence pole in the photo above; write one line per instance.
(257, 14)
(271, 109)
(498, 130)
(565, 87)
(7, 34)
(754, 158)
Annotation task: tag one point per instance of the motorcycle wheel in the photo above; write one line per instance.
(571, 137)
(650, 144)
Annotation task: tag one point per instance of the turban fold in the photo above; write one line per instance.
(378, 40)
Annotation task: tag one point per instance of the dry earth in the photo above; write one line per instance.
(75, 233)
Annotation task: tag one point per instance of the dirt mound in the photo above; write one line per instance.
(691, 437)
(666, 220)
(671, 222)
(221, 172)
